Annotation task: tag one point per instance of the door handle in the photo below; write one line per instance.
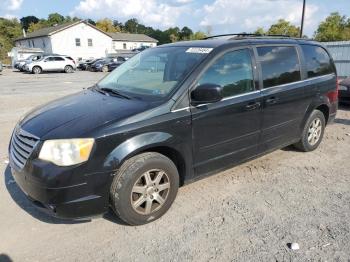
(252, 106)
(271, 100)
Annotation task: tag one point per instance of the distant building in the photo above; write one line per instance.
(82, 40)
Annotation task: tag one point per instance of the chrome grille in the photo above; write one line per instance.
(22, 146)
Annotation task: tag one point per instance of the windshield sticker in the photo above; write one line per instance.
(199, 50)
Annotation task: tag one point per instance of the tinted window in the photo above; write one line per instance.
(318, 62)
(49, 59)
(233, 72)
(280, 65)
(57, 58)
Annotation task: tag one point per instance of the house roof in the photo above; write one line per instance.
(47, 31)
(132, 37)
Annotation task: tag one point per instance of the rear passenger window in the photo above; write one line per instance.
(280, 65)
(233, 71)
(318, 62)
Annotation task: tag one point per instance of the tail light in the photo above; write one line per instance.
(333, 95)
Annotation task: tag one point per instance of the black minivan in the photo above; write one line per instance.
(168, 116)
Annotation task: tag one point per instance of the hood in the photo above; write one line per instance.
(76, 115)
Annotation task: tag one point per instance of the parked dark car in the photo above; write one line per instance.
(84, 64)
(140, 49)
(114, 64)
(168, 116)
(102, 64)
(344, 91)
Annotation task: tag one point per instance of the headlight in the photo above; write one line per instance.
(66, 152)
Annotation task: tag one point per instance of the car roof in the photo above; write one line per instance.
(214, 42)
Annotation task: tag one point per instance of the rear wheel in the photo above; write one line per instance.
(313, 132)
(144, 188)
(68, 69)
(36, 70)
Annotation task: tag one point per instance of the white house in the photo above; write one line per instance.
(82, 40)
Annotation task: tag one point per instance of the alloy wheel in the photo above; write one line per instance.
(150, 192)
(314, 132)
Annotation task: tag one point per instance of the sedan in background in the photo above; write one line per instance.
(117, 62)
(102, 64)
(344, 91)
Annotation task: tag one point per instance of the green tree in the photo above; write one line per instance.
(131, 25)
(185, 33)
(106, 25)
(10, 29)
(260, 31)
(198, 36)
(90, 21)
(27, 20)
(55, 18)
(36, 26)
(283, 27)
(334, 28)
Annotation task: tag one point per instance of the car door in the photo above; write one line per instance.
(59, 63)
(48, 64)
(284, 100)
(226, 132)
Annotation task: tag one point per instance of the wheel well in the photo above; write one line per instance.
(37, 66)
(174, 156)
(325, 110)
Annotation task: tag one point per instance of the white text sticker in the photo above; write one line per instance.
(199, 50)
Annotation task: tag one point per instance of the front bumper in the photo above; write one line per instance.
(67, 193)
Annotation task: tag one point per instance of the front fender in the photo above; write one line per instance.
(134, 145)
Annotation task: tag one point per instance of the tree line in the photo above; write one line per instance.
(335, 27)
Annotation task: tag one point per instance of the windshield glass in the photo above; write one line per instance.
(153, 73)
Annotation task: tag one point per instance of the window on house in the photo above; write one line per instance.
(124, 45)
(44, 45)
(29, 44)
(77, 42)
(33, 43)
(89, 42)
(280, 65)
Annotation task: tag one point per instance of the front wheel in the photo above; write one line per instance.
(37, 70)
(68, 69)
(313, 132)
(144, 188)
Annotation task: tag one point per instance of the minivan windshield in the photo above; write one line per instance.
(153, 73)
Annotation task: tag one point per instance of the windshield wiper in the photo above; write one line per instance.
(114, 92)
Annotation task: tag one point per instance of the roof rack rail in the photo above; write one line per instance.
(243, 35)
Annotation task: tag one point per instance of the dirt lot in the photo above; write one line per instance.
(248, 213)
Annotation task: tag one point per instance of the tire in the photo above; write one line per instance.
(105, 69)
(133, 199)
(37, 70)
(313, 132)
(68, 69)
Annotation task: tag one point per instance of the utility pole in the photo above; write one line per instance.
(302, 20)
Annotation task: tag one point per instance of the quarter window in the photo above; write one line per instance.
(77, 42)
(233, 72)
(318, 62)
(89, 42)
(279, 65)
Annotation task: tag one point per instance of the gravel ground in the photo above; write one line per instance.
(248, 213)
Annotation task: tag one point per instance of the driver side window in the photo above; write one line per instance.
(233, 72)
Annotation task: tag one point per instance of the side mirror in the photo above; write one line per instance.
(206, 94)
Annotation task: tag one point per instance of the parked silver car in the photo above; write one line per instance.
(52, 63)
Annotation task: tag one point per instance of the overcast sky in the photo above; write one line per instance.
(224, 16)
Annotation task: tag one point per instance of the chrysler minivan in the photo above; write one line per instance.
(168, 116)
